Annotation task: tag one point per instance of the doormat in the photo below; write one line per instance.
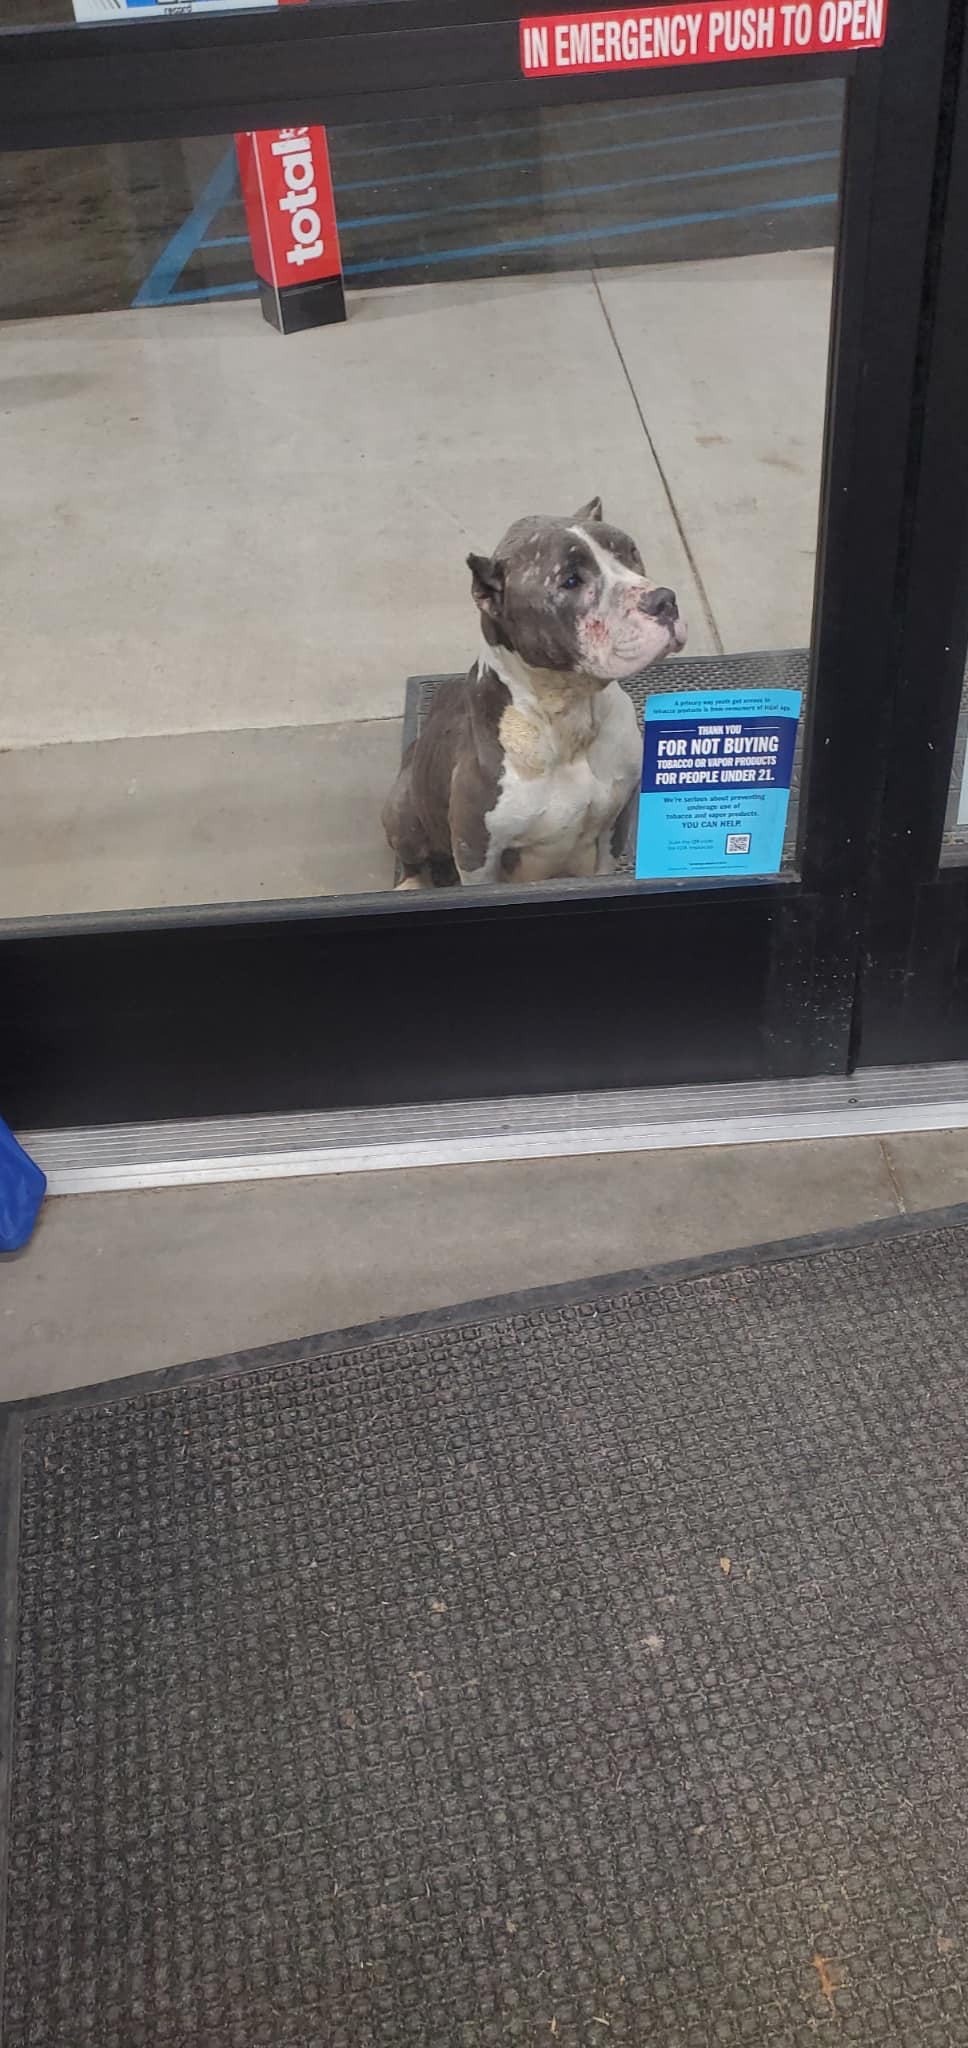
(579, 1667)
(786, 671)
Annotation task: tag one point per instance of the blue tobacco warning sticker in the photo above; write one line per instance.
(716, 772)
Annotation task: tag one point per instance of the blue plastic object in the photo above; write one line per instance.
(22, 1190)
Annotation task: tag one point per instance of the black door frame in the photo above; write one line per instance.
(913, 989)
(246, 1009)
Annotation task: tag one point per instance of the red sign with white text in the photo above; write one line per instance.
(647, 38)
(289, 204)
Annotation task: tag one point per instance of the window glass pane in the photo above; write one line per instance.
(235, 566)
(955, 842)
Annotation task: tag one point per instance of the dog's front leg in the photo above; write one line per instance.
(617, 839)
(489, 871)
(604, 857)
(477, 850)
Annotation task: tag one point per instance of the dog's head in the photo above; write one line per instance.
(572, 595)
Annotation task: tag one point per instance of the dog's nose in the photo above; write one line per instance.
(660, 604)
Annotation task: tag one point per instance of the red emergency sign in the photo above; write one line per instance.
(647, 38)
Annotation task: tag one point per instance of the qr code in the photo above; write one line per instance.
(738, 842)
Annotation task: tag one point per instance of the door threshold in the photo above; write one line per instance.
(877, 1103)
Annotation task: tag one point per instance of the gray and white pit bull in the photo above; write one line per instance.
(526, 768)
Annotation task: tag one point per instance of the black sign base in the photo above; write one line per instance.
(298, 306)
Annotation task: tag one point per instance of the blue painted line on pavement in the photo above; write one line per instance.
(212, 291)
(481, 170)
(579, 118)
(385, 220)
(566, 192)
(436, 257)
(611, 115)
(163, 274)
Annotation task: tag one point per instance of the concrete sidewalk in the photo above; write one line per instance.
(222, 535)
(118, 1284)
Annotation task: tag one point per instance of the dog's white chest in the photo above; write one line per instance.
(565, 782)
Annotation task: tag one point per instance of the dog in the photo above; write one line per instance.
(526, 769)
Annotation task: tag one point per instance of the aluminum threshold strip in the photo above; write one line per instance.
(878, 1102)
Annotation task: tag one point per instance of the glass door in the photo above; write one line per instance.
(442, 676)
(240, 566)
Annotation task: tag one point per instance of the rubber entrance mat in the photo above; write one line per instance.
(580, 1668)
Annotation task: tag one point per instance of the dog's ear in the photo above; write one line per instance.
(487, 583)
(590, 514)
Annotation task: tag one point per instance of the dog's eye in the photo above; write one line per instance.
(571, 581)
